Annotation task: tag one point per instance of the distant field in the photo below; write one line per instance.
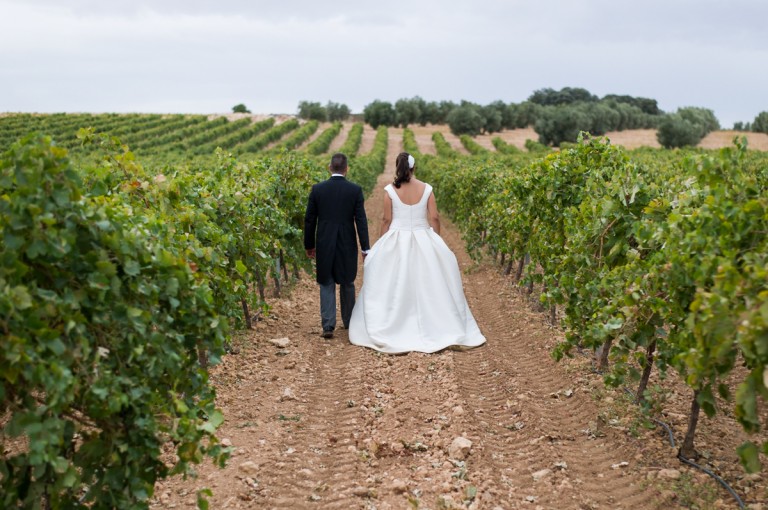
(201, 134)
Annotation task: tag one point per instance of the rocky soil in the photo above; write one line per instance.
(317, 423)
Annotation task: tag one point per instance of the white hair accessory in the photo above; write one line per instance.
(411, 161)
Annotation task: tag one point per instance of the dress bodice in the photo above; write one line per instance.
(409, 217)
(412, 297)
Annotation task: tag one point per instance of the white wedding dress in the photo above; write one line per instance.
(412, 298)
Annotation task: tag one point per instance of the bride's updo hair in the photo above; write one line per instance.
(404, 170)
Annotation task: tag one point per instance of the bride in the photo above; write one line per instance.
(412, 298)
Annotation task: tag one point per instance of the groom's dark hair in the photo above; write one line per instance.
(338, 163)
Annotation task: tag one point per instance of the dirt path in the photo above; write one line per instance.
(455, 142)
(369, 136)
(323, 424)
(341, 138)
(322, 127)
(423, 136)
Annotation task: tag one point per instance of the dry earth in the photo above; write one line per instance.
(339, 140)
(369, 136)
(630, 139)
(320, 128)
(317, 423)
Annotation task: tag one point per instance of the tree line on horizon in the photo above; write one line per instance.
(557, 116)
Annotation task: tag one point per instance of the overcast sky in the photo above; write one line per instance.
(204, 57)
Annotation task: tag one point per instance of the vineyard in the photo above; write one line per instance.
(157, 311)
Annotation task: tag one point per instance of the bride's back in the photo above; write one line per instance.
(410, 192)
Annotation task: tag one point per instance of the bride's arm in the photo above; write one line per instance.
(433, 217)
(386, 215)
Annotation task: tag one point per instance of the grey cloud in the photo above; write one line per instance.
(201, 56)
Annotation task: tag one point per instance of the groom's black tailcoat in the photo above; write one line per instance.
(334, 207)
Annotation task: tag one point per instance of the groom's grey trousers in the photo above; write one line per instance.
(328, 303)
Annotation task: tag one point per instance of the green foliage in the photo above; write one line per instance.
(337, 112)
(760, 124)
(310, 110)
(119, 285)
(644, 104)
(493, 116)
(566, 95)
(354, 139)
(240, 108)
(237, 137)
(535, 147)
(686, 128)
(443, 148)
(365, 169)
(563, 114)
(628, 116)
(438, 112)
(408, 111)
(203, 141)
(522, 115)
(558, 124)
(472, 146)
(639, 249)
(409, 142)
(503, 147)
(298, 136)
(332, 112)
(466, 119)
(380, 113)
(675, 131)
(703, 117)
(321, 144)
(257, 143)
(505, 115)
(105, 322)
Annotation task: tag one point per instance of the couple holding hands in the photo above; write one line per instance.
(412, 297)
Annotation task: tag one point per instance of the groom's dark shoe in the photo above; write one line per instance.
(327, 333)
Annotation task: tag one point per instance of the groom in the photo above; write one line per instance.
(334, 207)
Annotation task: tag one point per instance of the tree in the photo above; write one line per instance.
(603, 118)
(557, 124)
(630, 116)
(240, 108)
(760, 124)
(430, 114)
(649, 106)
(524, 114)
(336, 111)
(407, 111)
(566, 95)
(466, 120)
(492, 117)
(379, 113)
(312, 111)
(675, 131)
(686, 127)
(505, 114)
(703, 117)
(436, 113)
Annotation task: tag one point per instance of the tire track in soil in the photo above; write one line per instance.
(320, 128)
(341, 138)
(369, 136)
(323, 461)
(525, 422)
(363, 430)
(328, 457)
